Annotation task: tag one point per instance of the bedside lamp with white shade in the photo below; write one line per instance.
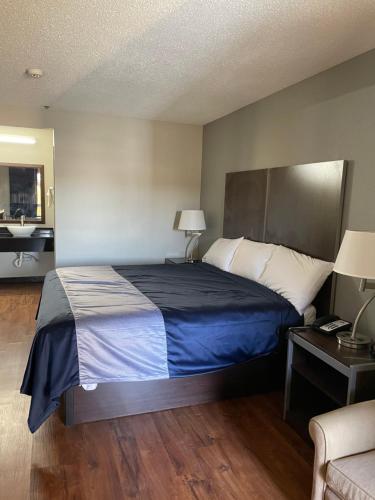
(192, 221)
(356, 258)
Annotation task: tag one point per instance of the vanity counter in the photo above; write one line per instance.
(42, 240)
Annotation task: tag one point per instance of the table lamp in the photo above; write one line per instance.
(356, 258)
(192, 221)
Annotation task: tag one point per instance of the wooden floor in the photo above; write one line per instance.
(239, 449)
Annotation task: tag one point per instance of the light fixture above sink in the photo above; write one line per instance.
(21, 231)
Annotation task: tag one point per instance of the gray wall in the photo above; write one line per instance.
(328, 117)
(119, 183)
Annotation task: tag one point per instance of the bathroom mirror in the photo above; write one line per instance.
(21, 193)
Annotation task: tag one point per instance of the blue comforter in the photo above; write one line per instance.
(213, 319)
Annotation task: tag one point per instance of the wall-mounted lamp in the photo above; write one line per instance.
(17, 139)
(192, 221)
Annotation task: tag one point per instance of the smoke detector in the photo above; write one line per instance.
(34, 73)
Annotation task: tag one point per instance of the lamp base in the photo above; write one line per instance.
(358, 342)
(192, 260)
(194, 236)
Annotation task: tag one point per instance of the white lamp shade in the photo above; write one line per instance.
(356, 256)
(192, 220)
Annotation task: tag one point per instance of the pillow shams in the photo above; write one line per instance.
(295, 276)
(221, 252)
(251, 258)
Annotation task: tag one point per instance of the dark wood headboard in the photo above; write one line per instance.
(298, 206)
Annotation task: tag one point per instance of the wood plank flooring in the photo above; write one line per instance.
(238, 449)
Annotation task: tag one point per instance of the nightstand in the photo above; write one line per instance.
(322, 376)
(178, 260)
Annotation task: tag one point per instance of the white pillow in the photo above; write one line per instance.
(251, 258)
(295, 276)
(221, 252)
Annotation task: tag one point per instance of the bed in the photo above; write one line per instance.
(206, 333)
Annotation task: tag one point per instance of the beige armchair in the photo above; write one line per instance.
(344, 465)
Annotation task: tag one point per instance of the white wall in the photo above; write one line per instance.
(119, 183)
(40, 153)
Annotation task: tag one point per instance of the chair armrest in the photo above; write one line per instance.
(340, 433)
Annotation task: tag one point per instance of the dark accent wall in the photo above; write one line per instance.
(327, 117)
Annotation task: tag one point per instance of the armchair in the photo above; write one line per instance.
(344, 465)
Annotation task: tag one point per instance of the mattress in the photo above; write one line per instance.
(183, 320)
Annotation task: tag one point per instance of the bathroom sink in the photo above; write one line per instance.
(21, 231)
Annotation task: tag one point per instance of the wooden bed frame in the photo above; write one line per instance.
(121, 399)
(298, 206)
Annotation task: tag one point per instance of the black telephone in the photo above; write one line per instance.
(331, 324)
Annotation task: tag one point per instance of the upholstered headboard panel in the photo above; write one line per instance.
(298, 206)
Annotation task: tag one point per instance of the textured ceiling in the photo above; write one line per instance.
(176, 60)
